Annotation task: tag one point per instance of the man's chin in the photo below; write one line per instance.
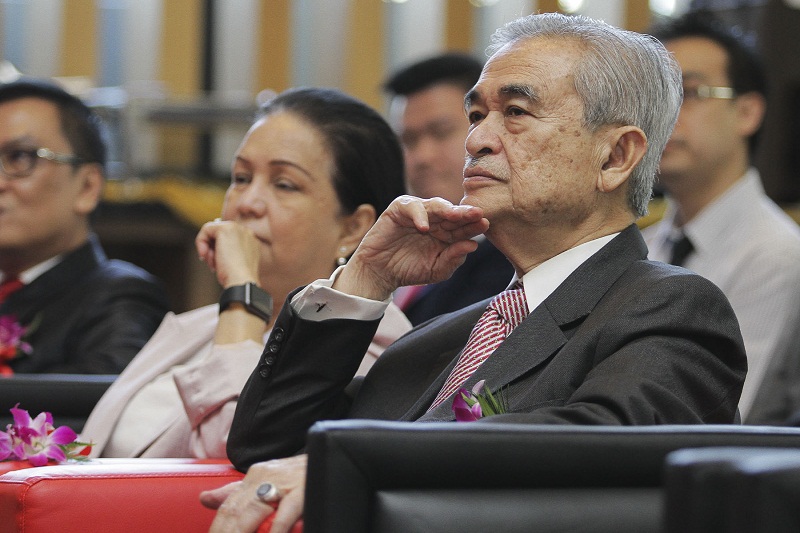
(471, 199)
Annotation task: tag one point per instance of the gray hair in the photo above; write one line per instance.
(625, 78)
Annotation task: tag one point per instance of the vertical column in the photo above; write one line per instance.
(319, 38)
(611, 11)
(234, 57)
(78, 55)
(32, 31)
(274, 46)
(14, 31)
(489, 17)
(142, 40)
(414, 30)
(44, 36)
(365, 51)
(111, 54)
(128, 54)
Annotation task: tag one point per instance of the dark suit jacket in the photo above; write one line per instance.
(93, 314)
(485, 273)
(622, 340)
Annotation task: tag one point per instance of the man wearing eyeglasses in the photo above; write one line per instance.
(719, 222)
(64, 307)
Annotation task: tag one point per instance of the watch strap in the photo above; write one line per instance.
(255, 300)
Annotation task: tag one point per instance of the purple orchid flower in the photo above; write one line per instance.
(36, 439)
(463, 411)
(5, 445)
(470, 406)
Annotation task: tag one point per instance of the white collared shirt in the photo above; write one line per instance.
(35, 271)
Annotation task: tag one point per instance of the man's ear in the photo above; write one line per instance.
(750, 108)
(625, 148)
(355, 226)
(90, 183)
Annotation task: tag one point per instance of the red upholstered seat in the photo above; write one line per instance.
(112, 495)
(8, 466)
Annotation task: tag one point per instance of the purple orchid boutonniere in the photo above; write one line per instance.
(12, 342)
(470, 406)
(36, 440)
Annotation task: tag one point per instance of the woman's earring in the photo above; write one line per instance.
(342, 260)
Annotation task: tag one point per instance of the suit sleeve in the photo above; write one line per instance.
(300, 378)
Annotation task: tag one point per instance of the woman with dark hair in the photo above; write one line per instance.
(309, 179)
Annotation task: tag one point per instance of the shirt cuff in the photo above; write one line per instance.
(319, 301)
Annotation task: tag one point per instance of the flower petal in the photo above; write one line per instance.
(21, 417)
(462, 409)
(39, 459)
(55, 453)
(63, 435)
(5, 445)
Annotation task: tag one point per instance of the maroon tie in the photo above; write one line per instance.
(504, 313)
(8, 286)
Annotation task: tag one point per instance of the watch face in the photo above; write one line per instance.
(258, 301)
(254, 299)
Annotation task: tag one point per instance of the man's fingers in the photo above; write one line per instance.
(241, 512)
(214, 498)
(289, 511)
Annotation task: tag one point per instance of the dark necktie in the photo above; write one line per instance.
(681, 250)
(8, 286)
(504, 313)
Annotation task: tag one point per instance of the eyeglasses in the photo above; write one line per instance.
(706, 92)
(20, 162)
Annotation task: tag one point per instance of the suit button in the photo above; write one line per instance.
(264, 371)
(269, 361)
(274, 347)
(278, 334)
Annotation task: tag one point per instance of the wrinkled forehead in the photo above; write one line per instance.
(531, 68)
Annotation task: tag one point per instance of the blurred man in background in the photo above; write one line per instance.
(64, 307)
(427, 110)
(719, 222)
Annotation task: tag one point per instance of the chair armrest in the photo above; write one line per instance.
(500, 476)
(69, 397)
(112, 495)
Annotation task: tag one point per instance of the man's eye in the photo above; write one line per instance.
(474, 117)
(515, 112)
(18, 160)
(16, 156)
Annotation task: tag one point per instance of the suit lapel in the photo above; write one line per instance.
(548, 327)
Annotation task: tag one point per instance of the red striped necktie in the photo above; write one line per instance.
(8, 286)
(504, 313)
